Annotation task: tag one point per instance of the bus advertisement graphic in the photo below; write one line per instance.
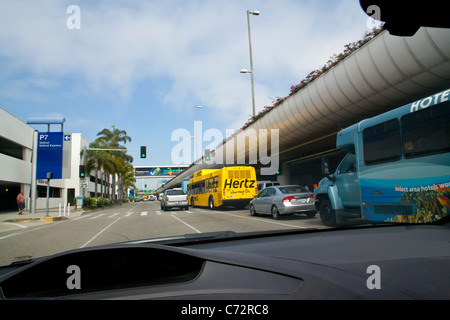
(417, 200)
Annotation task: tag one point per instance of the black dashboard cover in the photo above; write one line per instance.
(412, 263)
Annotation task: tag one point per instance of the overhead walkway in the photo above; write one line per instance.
(386, 73)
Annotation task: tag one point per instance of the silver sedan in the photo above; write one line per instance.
(279, 200)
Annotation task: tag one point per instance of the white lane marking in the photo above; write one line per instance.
(143, 213)
(129, 213)
(81, 217)
(29, 230)
(98, 216)
(262, 220)
(10, 235)
(115, 214)
(99, 233)
(16, 224)
(187, 224)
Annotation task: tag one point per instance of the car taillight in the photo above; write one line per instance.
(288, 199)
(311, 196)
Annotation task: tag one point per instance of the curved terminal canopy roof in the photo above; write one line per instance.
(386, 73)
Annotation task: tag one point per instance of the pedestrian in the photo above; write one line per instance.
(20, 202)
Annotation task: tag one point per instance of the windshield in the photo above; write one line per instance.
(106, 105)
(293, 189)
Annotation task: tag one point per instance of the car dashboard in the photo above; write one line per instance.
(411, 262)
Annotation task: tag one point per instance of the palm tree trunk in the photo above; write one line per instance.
(103, 184)
(96, 180)
(113, 191)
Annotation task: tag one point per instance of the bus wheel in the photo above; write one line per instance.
(252, 210)
(211, 203)
(327, 214)
(275, 212)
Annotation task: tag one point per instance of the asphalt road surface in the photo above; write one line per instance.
(134, 221)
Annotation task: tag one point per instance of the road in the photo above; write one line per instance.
(132, 221)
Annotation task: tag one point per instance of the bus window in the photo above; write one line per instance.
(381, 143)
(426, 132)
(195, 187)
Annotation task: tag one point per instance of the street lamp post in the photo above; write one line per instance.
(255, 13)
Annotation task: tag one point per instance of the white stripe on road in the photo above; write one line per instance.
(102, 214)
(80, 217)
(115, 214)
(143, 213)
(262, 220)
(30, 230)
(84, 245)
(129, 213)
(12, 234)
(187, 224)
(16, 224)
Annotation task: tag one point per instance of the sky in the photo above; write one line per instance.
(144, 65)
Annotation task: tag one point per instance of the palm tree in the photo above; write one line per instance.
(125, 172)
(111, 139)
(128, 178)
(109, 162)
(96, 160)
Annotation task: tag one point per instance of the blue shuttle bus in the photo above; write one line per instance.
(184, 185)
(397, 167)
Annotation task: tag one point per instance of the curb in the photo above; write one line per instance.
(48, 219)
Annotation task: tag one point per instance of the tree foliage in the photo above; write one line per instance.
(116, 164)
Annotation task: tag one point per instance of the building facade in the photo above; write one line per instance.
(16, 159)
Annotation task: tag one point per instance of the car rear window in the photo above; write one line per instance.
(175, 193)
(293, 189)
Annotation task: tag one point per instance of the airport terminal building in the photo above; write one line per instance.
(16, 155)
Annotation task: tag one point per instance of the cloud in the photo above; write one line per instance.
(191, 50)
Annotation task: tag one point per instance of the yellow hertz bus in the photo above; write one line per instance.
(234, 186)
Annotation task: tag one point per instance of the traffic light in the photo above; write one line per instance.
(82, 171)
(143, 152)
(207, 154)
(279, 171)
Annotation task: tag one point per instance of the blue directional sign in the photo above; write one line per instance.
(49, 154)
